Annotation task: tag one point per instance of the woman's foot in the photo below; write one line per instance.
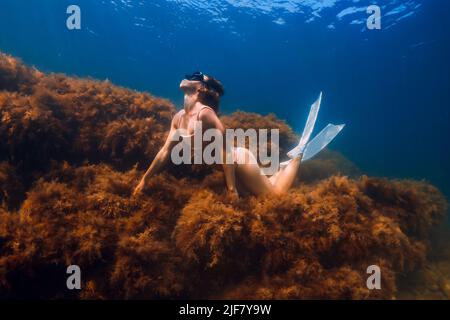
(317, 144)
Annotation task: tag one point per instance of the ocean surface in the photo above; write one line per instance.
(390, 86)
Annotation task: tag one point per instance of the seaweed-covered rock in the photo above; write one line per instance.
(72, 151)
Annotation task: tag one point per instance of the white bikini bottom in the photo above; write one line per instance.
(243, 156)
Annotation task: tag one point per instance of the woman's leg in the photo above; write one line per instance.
(273, 179)
(285, 177)
(248, 172)
(249, 175)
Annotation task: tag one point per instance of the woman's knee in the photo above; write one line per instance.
(278, 191)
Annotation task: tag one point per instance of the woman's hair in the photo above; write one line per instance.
(210, 92)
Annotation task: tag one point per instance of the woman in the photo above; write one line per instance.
(201, 102)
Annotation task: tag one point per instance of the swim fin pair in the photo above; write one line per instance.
(311, 149)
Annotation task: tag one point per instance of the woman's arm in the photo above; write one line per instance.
(210, 120)
(230, 178)
(160, 160)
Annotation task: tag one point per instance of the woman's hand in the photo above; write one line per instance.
(139, 188)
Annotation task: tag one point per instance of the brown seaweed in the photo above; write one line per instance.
(72, 151)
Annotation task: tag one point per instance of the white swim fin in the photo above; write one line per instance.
(319, 142)
(309, 127)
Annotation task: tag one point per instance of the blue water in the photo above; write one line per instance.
(390, 86)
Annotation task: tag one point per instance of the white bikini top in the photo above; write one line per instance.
(198, 119)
